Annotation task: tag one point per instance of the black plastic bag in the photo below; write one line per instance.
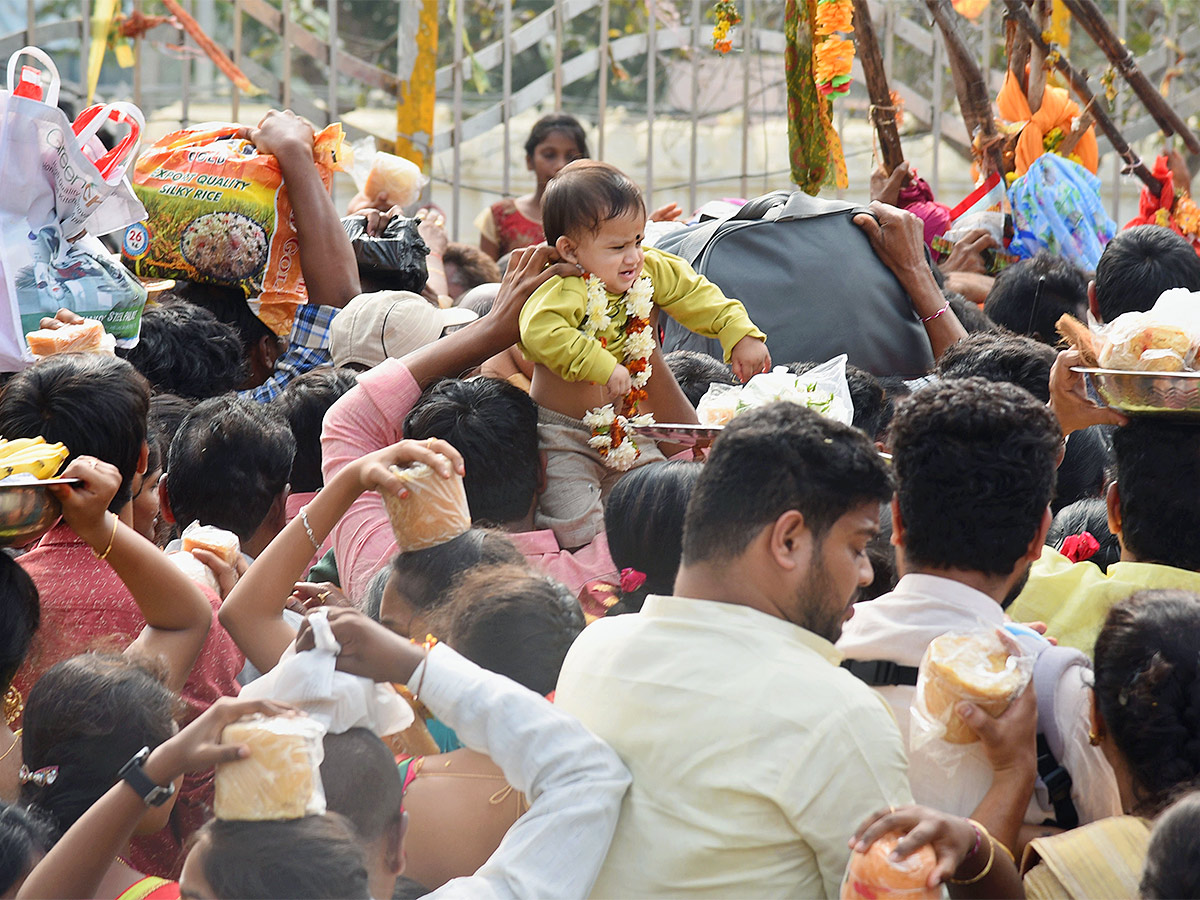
(395, 258)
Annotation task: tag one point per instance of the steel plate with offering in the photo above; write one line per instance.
(28, 510)
(1165, 394)
(684, 435)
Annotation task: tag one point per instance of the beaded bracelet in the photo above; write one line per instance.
(928, 319)
(980, 833)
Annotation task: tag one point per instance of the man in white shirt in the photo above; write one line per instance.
(754, 757)
(975, 462)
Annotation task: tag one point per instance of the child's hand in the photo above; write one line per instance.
(619, 383)
(749, 357)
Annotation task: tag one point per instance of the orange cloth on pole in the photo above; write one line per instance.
(1057, 111)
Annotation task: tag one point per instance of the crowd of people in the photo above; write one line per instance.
(690, 674)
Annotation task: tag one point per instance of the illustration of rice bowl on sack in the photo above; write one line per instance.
(227, 246)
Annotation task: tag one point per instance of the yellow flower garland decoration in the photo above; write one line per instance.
(725, 15)
(833, 54)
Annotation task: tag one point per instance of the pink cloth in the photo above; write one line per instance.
(917, 198)
(371, 416)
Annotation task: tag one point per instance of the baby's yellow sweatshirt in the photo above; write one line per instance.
(551, 318)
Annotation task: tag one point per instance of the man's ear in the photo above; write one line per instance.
(164, 501)
(567, 249)
(1034, 550)
(790, 541)
(1113, 501)
(143, 458)
(393, 849)
(1092, 304)
(897, 522)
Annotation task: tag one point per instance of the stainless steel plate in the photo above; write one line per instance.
(1166, 394)
(27, 511)
(685, 435)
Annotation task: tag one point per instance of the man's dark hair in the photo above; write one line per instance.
(1000, 356)
(696, 372)
(511, 621)
(975, 464)
(426, 576)
(95, 404)
(185, 350)
(547, 125)
(494, 426)
(1138, 265)
(1086, 468)
(361, 781)
(1030, 296)
(1158, 480)
(470, 267)
(316, 857)
(872, 408)
(968, 313)
(584, 195)
(229, 305)
(774, 459)
(1173, 856)
(229, 462)
(304, 403)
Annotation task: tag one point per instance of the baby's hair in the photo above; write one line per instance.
(584, 195)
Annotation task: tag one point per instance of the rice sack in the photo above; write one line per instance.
(217, 211)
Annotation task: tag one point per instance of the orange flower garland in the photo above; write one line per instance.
(833, 54)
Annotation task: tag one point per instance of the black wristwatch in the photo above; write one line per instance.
(132, 774)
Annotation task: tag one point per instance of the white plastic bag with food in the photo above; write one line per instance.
(280, 779)
(339, 701)
(376, 174)
(1162, 339)
(822, 388)
(986, 667)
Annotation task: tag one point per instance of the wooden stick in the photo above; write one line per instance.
(1087, 14)
(974, 99)
(1037, 59)
(1017, 52)
(883, 111)
(1079, 85)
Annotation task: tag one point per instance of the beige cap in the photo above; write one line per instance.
(374, 327)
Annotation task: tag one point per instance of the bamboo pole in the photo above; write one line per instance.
(1079, 85)
(974, 99)
(883, 112)
(1088, 15)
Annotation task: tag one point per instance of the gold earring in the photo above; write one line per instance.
(1094, 739)
(14, 705)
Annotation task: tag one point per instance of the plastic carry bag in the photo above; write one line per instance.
(339, 701)
(986, 667)
(280, 779)
(874, 876)
(218, 212)
(1164, 338)
(396, 258)
(1056, 207)
(434, 512)
(822, 388)
(60, 182)
(375, 173)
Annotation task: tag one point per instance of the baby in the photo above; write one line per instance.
(591, 339)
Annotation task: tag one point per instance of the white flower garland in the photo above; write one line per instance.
(610, 433)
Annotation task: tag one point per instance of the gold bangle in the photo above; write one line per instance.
(111, 539)
(991, 856)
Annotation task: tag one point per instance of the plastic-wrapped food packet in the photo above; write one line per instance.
(984, 667)
(195, 570)
(875, 876)
(224, 544)
(87, 337)
(434, 512)
(1161, 339)
(280, 779)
